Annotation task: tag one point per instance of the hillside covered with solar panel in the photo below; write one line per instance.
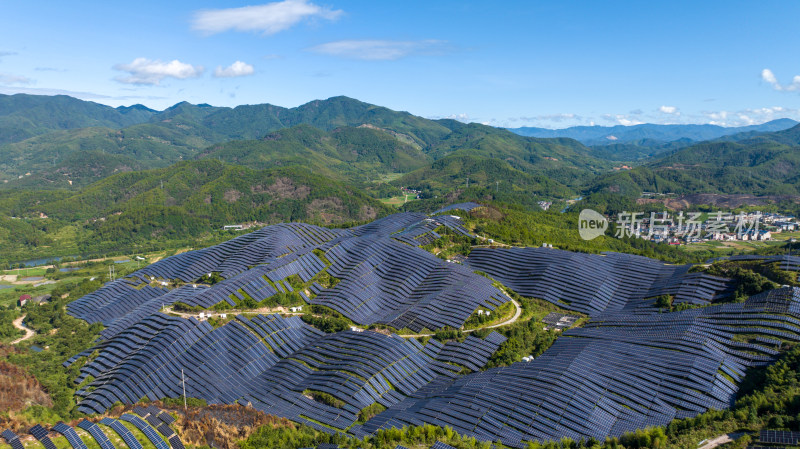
(381, 276)
(629, 364)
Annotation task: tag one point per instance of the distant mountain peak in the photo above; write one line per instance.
(601, 135)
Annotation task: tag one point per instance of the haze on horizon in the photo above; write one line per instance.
(513, 64)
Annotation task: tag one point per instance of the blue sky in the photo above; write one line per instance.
(527, 63)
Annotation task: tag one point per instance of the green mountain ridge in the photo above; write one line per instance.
(347, 153)
(766, 164)
(482, 177)
(340, 137)
(23, 116)
(179, 203)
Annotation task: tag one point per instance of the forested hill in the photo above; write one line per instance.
(636, 142)
(178, 203)
(340, 137)
(765, 164)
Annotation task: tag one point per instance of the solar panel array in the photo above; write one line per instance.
(145, 428)
(12, 439)
(70, 434)
(627, 368)
(41, 434)
(96, 433)
(472, 353)
(440, 445)
(459, 206)
(618, 373)
(424, 232)
(161, 421)
(270, 362)
(384, 276)
(594, 283)
(385, 281)
(782, 437)
(123, 432)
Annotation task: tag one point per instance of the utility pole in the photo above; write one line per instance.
(467, 181)
(496, 186)
(185, 409)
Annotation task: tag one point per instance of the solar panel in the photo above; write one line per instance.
(782, 437)
(618, 373)
(70, 434)
(41, 434)
(145, 428)
(409, 287)
(97, 434)
(440, 445)
(596, 283)
(627, 368)
(123, 432)
(12, 439)
(175, 442)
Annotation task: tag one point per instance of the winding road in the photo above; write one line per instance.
(511, 320)
(282, 310)
(28, 333)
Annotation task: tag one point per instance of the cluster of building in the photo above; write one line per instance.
(687, 227)
(41, 299)
(409, 191)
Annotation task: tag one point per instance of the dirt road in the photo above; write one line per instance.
(28, 333)
(511, 320)
(720, 440)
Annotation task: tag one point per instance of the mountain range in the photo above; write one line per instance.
(134, 176)
(760, 164)
(646, 140)
(340, 137)
(600, 135)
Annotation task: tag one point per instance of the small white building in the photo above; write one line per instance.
(296, 309)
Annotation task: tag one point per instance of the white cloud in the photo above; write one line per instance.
(6, 53)
(718, 116)
(147, 71)
(668, 109)
(270, 18)
(551, 118)
(751, 116)
(8, 90)
(375, 50)
(770, 78)
(8, 78)
(238, 68)
(624, 121)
